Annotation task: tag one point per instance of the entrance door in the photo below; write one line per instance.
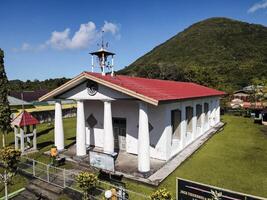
(119, 129)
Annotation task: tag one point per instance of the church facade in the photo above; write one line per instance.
(147, 117)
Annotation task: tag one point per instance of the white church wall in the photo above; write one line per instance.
(174, 146)
(129, 110)
(104, 93)
(162, 145)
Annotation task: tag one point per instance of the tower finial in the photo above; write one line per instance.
(102, 56)
(102, 37)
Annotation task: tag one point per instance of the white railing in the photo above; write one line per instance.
(63, 178)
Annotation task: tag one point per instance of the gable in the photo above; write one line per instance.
(97, 92)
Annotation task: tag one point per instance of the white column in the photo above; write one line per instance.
(183, 126)
(213, 112)
(194, 122)
(22, 139)
(202, 119)
(59, 131)
(80, 130)
(143, 139)
(34, 142)
(209, 115)
(108, 128)
(218, 111)
(16, 138)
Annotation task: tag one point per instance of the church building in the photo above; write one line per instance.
(149, 118)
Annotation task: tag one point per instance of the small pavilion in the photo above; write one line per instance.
(25, 127)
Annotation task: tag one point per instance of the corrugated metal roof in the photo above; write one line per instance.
(16, 102)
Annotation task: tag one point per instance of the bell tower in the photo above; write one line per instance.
(104, 58)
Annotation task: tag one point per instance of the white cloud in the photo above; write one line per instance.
(257, 6)
(110, 27)
(81, 39)
(24, 47)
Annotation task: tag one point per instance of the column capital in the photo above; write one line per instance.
(80, 100)
(107, 100)
(58, 100)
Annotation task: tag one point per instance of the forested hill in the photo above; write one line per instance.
(217, 52)
(48, 84)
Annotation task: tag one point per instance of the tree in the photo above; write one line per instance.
(9, 158)
(5, 112)
(87, 182)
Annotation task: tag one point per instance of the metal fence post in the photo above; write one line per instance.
(64, 178)
(33, 167)
(47, 172)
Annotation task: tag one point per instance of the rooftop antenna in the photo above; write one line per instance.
(102, 56)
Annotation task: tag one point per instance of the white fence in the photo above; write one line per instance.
(63, 178)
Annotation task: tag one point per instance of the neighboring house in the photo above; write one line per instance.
(242, 95)
(44, 111)
(29, 96)
(15, 102)
(236, 103)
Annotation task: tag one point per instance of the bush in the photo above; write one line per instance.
(161, 194)
(87, 182)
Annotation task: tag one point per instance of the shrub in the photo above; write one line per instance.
(87, 182)
(161, 194)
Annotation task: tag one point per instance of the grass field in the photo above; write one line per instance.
(235, 158)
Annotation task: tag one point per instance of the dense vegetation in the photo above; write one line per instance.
(49, 84)
(217, 52)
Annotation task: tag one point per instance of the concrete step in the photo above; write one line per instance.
(28, 195)
(46, 186)
(39, 190)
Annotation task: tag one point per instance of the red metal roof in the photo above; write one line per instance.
(160, 90)
(24, 119)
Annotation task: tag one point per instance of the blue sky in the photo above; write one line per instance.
(48, 39)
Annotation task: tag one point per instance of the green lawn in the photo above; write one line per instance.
(235, 158)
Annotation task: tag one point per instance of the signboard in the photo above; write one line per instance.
(189, 190)
(102, 160)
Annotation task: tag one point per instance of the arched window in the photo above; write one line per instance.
(198, 113)
(206, 110)
(176, 123)
(189, 116)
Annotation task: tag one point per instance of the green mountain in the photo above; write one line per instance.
(218, 52)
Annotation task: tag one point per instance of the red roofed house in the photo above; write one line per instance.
(22, 129)
(146, 117)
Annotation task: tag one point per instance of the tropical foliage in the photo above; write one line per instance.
(217, 52)
(86, 181)
(5, 111)
(9, 158)
(49, 84)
